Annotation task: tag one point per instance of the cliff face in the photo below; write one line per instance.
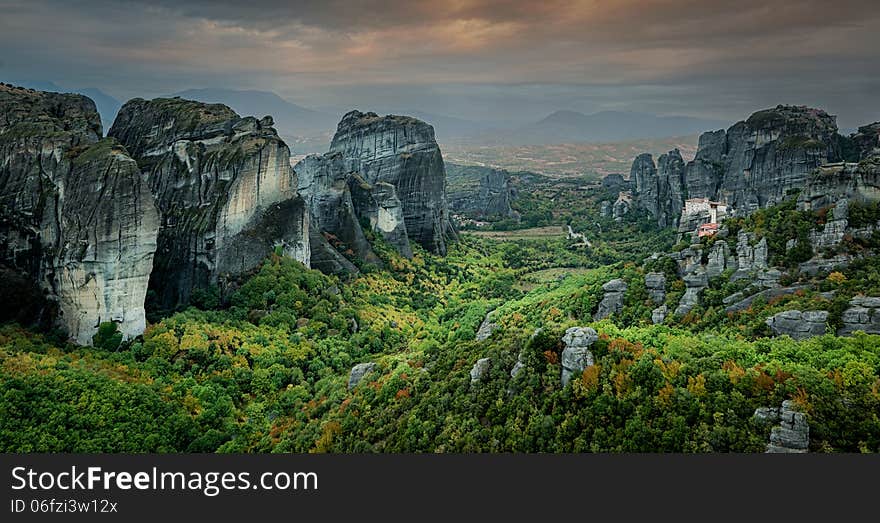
(224, 188)
(480, 191)
(754, 164)
(401, 151)
(660, 189)
(76, 215)
(323, 181)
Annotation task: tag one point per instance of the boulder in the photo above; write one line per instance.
(577, 355)
(480, 370)
(487, 327)
(612, 302)
(655, 284)
(792, 435)
(658, 315)
(358, 372)
(863, 314)
(798, 325)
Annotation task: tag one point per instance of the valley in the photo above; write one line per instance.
(193, 289)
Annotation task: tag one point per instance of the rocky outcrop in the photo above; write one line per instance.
(324, 183)
(622, 206)
(358, 372)
(615, 183)
(655, 284)
(834, 230)
(754, 164)
(832, 182)
(705, 172)
(658, 315)
(480, 192)
(612, 302)
(224, 188)
(576, 356)
(76, 216)
(660, 190)
(487, 327)
(798, 325)
(863, 314)
(867, 140)
(751, 256)
(719, 259)
(694, 285)
(401, 151)
(480, 370)
(792, 435)
(378, 207)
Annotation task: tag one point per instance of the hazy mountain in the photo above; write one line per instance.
(605, 126)
(290, 118)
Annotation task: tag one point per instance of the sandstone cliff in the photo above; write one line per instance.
(401, 151)
(76, 215)
(224, 188)
(754, 164)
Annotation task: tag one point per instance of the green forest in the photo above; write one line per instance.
(267, 368)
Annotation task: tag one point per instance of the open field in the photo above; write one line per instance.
(535, 233)
(592, 160)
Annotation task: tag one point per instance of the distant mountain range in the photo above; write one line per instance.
(602, 127)
(310, 130)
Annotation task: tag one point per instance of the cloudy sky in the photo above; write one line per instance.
(501, 60)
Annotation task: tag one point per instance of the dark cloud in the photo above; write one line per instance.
(502, 60)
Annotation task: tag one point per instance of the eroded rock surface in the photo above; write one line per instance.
(76, 216)
(577, 355)
(798, 325)
(403, 152)
(612, 302)
(224, 188)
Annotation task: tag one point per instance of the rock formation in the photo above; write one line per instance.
(863, 314)
(694, 285)
(798, 325)
(719, 259)
(660, 190)
(655, 284)
(486, 328)
(754, 164)
(378, 206)
(481, 192)
(751, 256)
(832, 182)
(612, 302)
(622, 205)
(480, 370)
(76, 217)
(324, 183)
(577, 355)
(867, 140)
(792, 435)
(615, 183)
(658, 315)
(834, 230)
(358, 372)
(401, 151)
(224, 188)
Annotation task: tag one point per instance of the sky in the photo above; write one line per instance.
(497, 60)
